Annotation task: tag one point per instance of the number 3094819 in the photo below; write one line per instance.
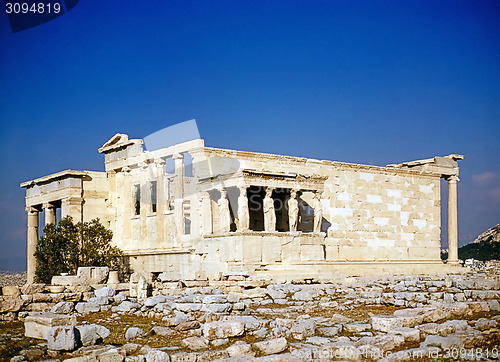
(36, 8)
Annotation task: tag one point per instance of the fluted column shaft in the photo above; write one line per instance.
(32, 239)
(452, 220)
(50, 214)
(178, 192)
(160, 200)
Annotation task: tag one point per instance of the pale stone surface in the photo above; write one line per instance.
(11, 304)
(409, 334)
(143, 289)
(386, 323)
(157, 356)
(11, 290)
(271, 346)
(62, 338)
(94, 275)
(91, 334)
(133, 332)
(195, 343)
(223, 329)
(62, 308)
(38, 325)
(68, 280)
(240, 348)
(105, 292)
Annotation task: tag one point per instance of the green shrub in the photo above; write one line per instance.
(67, 246)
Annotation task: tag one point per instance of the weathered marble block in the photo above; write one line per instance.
(38, 325)
(68, 280)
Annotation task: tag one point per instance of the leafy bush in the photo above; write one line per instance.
(480, 251)
(67, 246)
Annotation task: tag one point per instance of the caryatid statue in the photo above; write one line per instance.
(269, 212)
(243, 213)
(224, 215)
(293, 210)
(318, 212)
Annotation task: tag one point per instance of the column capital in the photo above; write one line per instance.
(452, 178)
(48, 205)
(159, 162)
(177, 156)
(126, 169)
(32, 209)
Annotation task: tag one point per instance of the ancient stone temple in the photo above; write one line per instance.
(199, 212)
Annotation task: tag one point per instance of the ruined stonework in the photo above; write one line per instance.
(201, 212)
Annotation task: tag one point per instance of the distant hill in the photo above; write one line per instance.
(492, 235)
(485, 247)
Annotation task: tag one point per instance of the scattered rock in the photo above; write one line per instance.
(223, 329)
(271, 346)
(133, 332)
(62, 338)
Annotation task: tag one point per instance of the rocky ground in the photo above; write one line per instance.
(426, 317)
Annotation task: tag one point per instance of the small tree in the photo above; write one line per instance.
(66, 246)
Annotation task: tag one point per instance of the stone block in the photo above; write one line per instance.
(93, 274)
(169, 276)
(303, 329)
(62, 338)
(133, 332)
(38, 325)
(105, 292)
(62, 308)
(85, 308)
(11, 304)
(88, 335)
(386, 323)
(223, 329)
(195, 343)
(409, 334)
(271, 346)
(11, 290)
(448, 342)
(32, 288)
(68, 280)
(356, 327)
(156, 355)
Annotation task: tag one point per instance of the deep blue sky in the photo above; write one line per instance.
(372, 82)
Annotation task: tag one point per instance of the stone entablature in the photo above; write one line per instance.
(200, 211)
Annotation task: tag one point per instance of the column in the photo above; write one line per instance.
(206, 213)
(32, 240)
(178, 184)
(178, 192)
(318, 212)
(293, 211)
(127, 206)
(243, 213)
(145, 208)
(224, 215)
(160, 200)
(50, 213)
(112, 203)
(269, 212)
(452, 221)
